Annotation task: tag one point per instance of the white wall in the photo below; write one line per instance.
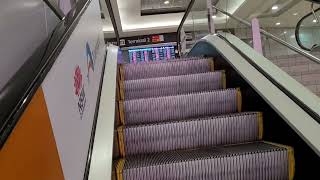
(71, 123)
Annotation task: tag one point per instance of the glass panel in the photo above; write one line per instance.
(195, 26)
(283, 26)
(106, 20)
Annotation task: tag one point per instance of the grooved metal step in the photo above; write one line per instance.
(161, 109)
(251, 161)
(172, 85)
(192, 133)
(163, 69)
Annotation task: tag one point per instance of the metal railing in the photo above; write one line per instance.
(181, 25)
(275, 38)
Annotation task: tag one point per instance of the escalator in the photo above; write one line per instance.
(202, 117)
(221, 112)
(179, 121)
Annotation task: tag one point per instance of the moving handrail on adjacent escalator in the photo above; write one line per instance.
(311, 110)
(299, 27)
(275, 38)
(17, 93)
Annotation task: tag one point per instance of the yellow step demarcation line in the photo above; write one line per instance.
(239, 100)
(121, 84)
(291, 163)
(117, 90)
(120, 132)
(116, 149)
(119, 168)
(118, 113)
(121, 112)
(223, 79)
(114, 174)
(211, 64)
(260, 125)
(121, 69)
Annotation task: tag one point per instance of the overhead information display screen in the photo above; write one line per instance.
(151, 54)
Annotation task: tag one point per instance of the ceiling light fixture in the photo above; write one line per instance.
(166, 2)
(214, 16)
(285, 32)
(274, 7)
(314, 21)
(278, 23)
(295, 14)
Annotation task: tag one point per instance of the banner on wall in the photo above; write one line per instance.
(71, 90)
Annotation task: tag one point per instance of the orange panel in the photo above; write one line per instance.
(30, 152)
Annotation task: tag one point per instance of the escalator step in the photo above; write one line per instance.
(251, 161)
(169, 68)
(160, 109)
(193, 133)
(172, 85)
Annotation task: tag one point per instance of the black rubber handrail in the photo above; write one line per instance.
(17, 93)
(297, 30)
(186, 14)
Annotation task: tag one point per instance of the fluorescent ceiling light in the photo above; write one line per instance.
(275, 7)
(295, 14)
(285, 32)
(166, 2)
(314, 21)
(278, 23)
(292, 36)
(214, 16)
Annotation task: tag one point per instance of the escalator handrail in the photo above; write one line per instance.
(275, 38)
(297, 30)
(288, 92)
(309, 110)
(18, 92)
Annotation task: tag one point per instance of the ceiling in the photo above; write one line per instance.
(152, 7)
(130, 22)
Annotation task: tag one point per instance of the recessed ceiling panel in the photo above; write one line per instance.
(152, 7)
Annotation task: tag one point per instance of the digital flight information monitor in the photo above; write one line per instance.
(151, 54)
